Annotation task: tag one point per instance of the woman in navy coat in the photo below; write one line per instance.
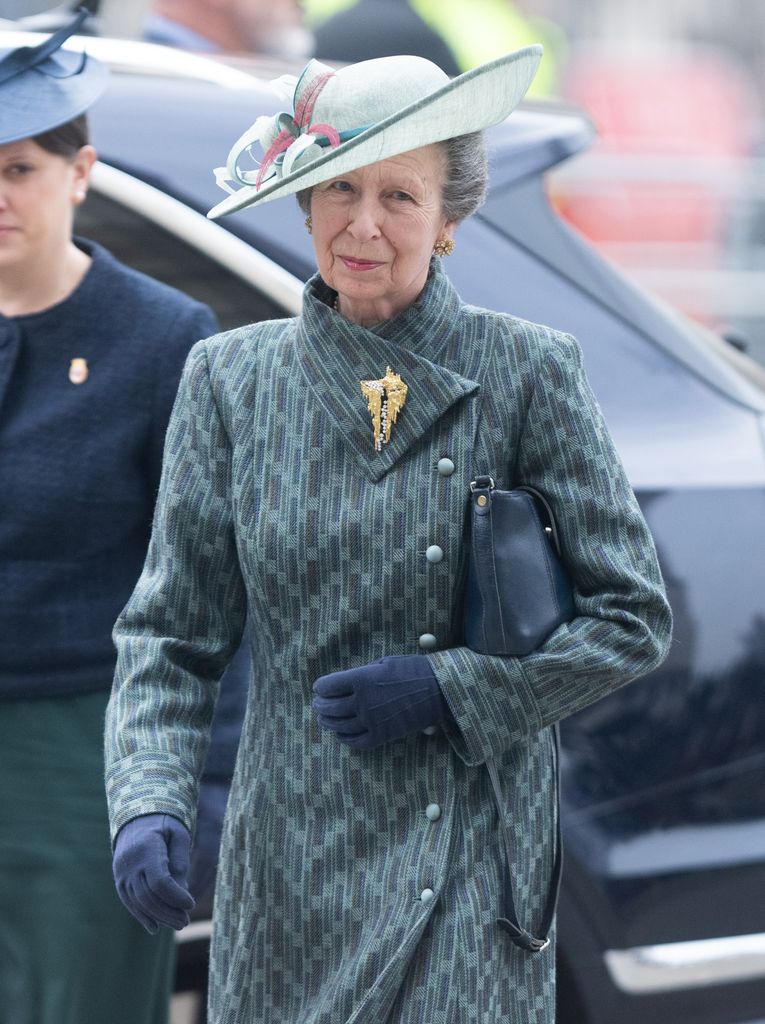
(90, 357)
(318, 471)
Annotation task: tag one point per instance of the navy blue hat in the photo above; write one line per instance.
(42, 87)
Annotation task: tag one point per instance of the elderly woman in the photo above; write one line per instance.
(90, 357)
(318, 470)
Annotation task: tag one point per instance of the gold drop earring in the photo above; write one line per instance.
(309, 224)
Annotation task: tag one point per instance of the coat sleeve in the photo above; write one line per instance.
(183, 622)
(622, 627)
(186, 324)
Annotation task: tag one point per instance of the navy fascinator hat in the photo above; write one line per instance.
(42, 87)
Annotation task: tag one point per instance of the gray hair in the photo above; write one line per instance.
(467, 177)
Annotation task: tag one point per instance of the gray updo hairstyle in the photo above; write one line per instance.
(467, 176)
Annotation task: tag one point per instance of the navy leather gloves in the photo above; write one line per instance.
(380, 702)
(151, 860)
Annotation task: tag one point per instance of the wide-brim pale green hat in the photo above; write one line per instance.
(362, 113)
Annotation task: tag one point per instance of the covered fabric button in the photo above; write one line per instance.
(427, 642)
(445, 467)
(434, 553)
(427, 895)
(432, 812)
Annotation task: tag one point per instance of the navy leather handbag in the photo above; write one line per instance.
(517, 591)
(517, 594)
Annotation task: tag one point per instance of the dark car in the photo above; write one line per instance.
(662, 914)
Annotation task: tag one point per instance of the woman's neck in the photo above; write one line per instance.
(25, 290)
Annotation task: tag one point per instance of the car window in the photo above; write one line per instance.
(142, 244)
(672, 425)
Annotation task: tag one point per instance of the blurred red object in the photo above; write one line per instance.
(673, 122)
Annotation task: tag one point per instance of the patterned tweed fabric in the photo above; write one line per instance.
(273, 496)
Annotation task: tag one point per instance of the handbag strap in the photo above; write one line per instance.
(509, 923)
(549, 525)
(484, 563)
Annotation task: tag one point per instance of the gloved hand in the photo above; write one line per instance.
(380, 702)
(151, 859)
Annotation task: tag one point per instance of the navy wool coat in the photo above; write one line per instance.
(273, 497)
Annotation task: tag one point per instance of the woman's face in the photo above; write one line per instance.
(38, 193)
(374, 230)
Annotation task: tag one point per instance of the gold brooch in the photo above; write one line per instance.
(385, 399)
(78, 371)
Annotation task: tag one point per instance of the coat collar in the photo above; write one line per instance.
(92, 293)
(335, 355)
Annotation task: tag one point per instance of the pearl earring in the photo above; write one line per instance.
(444, 247)
(79, 196)
(309, 224)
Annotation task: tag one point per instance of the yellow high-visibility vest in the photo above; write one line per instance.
(476, 31)
(317, 11)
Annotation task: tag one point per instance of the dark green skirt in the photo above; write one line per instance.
(69, 951)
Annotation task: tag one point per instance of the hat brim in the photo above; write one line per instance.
(38, 101)
(475, 100)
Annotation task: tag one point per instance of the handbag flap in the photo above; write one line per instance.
(517, 592)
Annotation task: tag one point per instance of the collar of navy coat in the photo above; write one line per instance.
(335, 355)
(68, 310)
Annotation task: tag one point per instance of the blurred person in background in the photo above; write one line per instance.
(473, 31)
(381, 28)
(90, 357)
(230, 26)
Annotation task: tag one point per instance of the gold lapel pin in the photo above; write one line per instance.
(78, 371)
(385, 399)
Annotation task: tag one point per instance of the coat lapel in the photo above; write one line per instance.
(335, 355)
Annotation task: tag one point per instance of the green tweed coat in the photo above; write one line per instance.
(274, 503)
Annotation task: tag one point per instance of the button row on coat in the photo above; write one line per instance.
(435, 554)
(428, 642)
(432, 813)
